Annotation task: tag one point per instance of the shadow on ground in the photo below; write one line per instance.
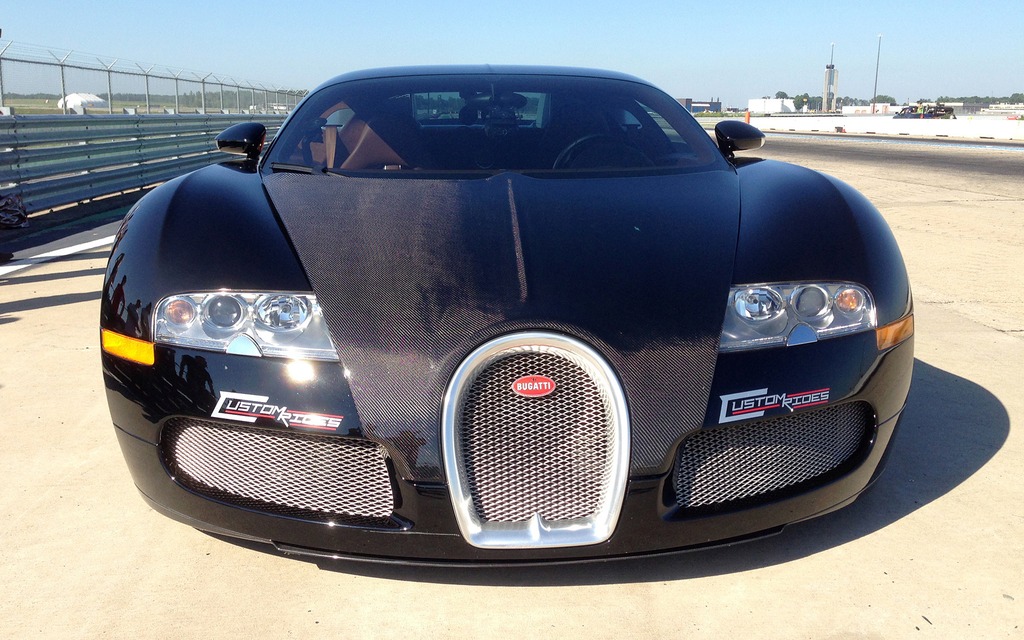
(37, 278)
(75, 269)
(48, 226)
(922, 468)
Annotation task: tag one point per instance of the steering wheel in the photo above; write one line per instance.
(600, 151)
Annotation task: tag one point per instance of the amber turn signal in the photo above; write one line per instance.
(128, 348)
(894, 333)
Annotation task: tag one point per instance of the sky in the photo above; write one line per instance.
(732, 50)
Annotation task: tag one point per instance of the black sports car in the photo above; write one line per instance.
(927, 112)
(502, 314)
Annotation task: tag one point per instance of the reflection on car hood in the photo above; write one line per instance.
(413, 274)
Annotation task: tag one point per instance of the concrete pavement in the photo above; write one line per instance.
(936, 549)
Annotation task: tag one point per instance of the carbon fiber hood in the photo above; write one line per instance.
(413, 274)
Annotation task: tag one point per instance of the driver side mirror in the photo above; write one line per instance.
(735, 135)
(243, 139)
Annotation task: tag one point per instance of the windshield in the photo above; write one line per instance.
(489, 123)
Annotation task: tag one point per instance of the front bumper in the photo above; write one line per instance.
(423, 528)
(434, 536)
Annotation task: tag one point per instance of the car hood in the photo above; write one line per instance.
(413, 274)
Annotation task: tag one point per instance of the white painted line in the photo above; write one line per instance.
(18, 265)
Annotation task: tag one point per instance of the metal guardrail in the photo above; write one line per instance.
(58, 160)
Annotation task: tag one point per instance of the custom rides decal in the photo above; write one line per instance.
(246, 407)
(757, 402)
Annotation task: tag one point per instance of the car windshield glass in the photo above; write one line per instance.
(483, 124)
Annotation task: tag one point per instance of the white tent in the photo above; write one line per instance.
(80, 100)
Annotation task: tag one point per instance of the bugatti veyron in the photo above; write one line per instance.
(502, 314)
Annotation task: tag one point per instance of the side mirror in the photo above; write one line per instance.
(734, 135)
(243, 139)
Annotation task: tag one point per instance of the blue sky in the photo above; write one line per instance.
(733, 50)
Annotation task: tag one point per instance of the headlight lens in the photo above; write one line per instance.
(850, 300)
(282, 313)
(791, 313)
(811, 302)
(223, 311)
(758, 304)
(179, 313)
(286, 325)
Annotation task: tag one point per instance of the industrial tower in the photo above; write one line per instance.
(829, 92)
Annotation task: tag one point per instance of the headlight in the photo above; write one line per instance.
(225, 313)
(785, 314)
(283, 313)
(758, 305)
(286, 325)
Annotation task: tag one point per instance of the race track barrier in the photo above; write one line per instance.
(967, 127)
(59, 160)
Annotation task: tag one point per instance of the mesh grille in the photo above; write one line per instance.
(732, 463)
(295, 474)
(524, 456)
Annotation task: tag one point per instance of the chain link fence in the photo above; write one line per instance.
(37, 80)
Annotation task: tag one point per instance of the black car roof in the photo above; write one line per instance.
(479, 69)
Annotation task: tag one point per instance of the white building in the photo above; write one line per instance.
(771, 105)
(866, 110)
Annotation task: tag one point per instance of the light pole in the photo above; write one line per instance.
(878, 58)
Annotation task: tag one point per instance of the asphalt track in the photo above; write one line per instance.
(984, 158)
(935, 549)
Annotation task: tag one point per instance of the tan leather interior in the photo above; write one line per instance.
(330, 144)
(366, 149)
(317, 153)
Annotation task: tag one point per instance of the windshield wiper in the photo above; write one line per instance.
(292, 168)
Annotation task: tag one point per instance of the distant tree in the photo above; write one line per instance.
(781, 95)
(1014, 98)
(800, 100)
(924, 99)
(883, 99)
(814, 103)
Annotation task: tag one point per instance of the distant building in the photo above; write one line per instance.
(868, 109)
(771, 105)
(1003, 109)
(968, 108)
(700, 107)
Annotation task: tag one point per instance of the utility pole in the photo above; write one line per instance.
(878, 58)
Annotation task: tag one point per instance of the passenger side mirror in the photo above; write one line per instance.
(243, 139)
